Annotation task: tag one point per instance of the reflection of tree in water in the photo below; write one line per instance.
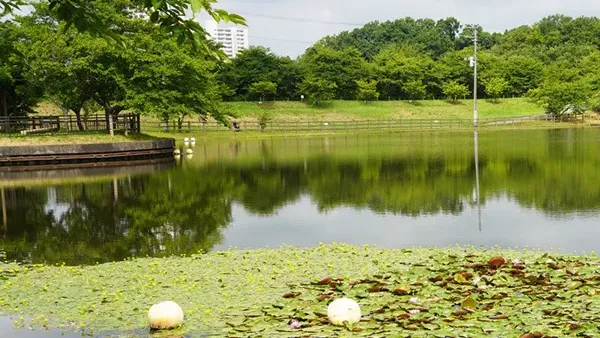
(185, 210)
(89, 223)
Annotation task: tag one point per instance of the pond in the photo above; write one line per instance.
(536, 189)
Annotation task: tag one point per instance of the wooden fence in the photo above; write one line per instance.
(65, 124)
(350, 125)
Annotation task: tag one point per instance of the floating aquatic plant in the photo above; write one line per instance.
(286, 292)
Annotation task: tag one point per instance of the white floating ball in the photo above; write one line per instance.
(189, 151)
(165, 316)
(193, 139)
(343, 310)
(186, 140)
(177, 152)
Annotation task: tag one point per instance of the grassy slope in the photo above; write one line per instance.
(349, 110)
(49, 139)
(240, 293)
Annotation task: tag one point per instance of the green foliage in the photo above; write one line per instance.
(558, 98)
(263, 89)
(170, 15)
(403, 72)
(154, 75)
(261, 290)
(455, 91)
(318, 90)
(343, 68)
(415, 90)
(17, 96)
(264, 119)
(367, 91)
(259, 64)
(495, 87)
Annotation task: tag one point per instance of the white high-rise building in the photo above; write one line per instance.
(233, 38)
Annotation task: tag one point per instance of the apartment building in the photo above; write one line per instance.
(234, 39)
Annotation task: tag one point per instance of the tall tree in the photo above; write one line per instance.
(343, 68)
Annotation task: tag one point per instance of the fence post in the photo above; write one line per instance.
(189, 126)
(297, 123)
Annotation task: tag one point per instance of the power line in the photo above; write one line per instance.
(275, 17)
(283, 40)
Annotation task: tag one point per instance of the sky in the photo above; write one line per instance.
(292, 37)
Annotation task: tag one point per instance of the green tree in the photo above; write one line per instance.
(171, 15)
(318, 90)
(495, 87)
(17, 96)
(454, 91)
(343, 68)
(559, 98)
(171, 81)
(415, 90)
(256, 64)
(402, 73)
(367, 91)
(263, 89)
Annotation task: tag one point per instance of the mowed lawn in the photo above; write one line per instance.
(353, 110)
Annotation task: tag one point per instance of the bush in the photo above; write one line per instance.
(367, 91)
(454, 91)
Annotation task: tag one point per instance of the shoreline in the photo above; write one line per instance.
(75, 155)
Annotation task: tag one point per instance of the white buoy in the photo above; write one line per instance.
(165, 316)
(177, 152)
(189, 151)
(193, 140)
(186, 140)
(343, 310)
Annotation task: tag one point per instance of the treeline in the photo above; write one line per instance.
(553, 61)
(136, 64)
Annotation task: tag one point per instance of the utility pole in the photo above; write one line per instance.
(475, 121)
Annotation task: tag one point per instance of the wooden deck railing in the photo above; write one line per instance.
(64, 124)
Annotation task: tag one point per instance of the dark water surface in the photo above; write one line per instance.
(539, 189)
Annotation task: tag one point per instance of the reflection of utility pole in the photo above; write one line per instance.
(475, 119)
(476, 141)
(4, 215)
(115, 189)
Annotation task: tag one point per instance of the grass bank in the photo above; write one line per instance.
(402, 293)
(223, 134)
(74, 138)
(355, 110)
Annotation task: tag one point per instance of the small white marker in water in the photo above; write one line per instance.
(343, 310)
(165, 316)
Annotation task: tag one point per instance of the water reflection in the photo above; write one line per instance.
(533, 188)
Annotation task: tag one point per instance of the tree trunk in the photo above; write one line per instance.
(79, 122)
(5, 110)
(77, 112)
(180, 124)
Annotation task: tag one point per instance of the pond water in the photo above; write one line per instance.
(539, 189)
